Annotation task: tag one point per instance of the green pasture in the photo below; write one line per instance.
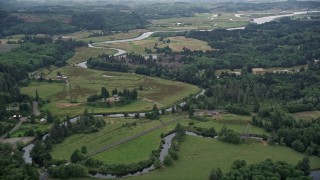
(197, 156)
(238, 123)
(112, 132)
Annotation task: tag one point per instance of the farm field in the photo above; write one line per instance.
(84, 82)
(115, 130)
(176, 44)
(84, 35)
(139, 149)
(200, 21)
(238, 123)
(307, 115)
(206, 153)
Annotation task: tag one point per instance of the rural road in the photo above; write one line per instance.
(133, 137)
(17, 126)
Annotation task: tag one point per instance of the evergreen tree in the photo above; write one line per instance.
(37, 96)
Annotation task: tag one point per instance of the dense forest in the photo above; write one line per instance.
(285, 44)
(171, 10)
(108, 20)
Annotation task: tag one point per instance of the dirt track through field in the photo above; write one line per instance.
(130, 138)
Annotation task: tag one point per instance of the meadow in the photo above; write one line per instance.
(176, 44)
(139, 149)
(238, 123)
(84, 53)
(85, 82)
(115, 130)
(197, 156)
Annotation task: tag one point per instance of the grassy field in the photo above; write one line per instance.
(176, 44)
(84, 53)
(307, 115)
(138, 149)
(198, 155)
(199, 21)
(85, 82)
(113, 132)
(235, 122)
(84, 35)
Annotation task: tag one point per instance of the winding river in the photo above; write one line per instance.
(168, 138)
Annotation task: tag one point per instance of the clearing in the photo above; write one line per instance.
(306, 115)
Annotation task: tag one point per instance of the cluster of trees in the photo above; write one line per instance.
(86, 123)
(68, 171)
(104, 94)
(50, 27)
(205, 132)
(97, 64)
(125, 96)
(40, 52)
(154, 114)
(264, 170)
(7, 21)
(12, 165)
(300, 135)
(248, 93)
(229, 135)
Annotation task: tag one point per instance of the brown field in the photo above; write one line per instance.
(307, 115)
